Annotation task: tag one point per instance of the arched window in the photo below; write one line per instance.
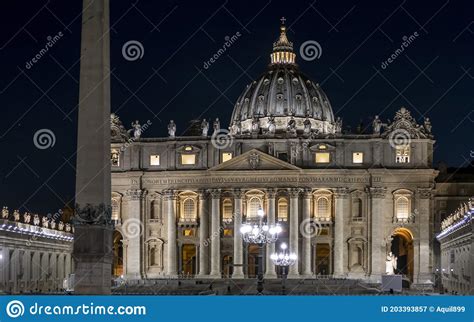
(227, 210)
(254, 205)
(282, 209)
(322, 210)
(115, 209)
(189, 210)
(402, 205)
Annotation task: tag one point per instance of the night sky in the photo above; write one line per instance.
(434, 75)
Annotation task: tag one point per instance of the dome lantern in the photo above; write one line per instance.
(282, 48)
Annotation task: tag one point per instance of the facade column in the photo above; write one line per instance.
(238, 271)
(215, 234)
(171, 261)
(294, 231)
(3, 267)
(341, 196)
(424, 275)
(203, 234)
(269, 265)
(377, 245)
(132, 229)
(125, 257)
(306, 262)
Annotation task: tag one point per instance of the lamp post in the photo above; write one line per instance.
(260, 233)
(284, 259)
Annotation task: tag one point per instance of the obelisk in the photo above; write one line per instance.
(93, 228)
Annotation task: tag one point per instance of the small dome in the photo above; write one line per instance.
(282, 93)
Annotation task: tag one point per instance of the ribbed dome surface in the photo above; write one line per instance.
(283, 91)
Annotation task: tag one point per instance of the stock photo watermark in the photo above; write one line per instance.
(311, 50)
(229, 41)
(406, 42)
(44, 139)
(52, 40)
(133, 50)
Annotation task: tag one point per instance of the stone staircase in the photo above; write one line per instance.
(333, 286)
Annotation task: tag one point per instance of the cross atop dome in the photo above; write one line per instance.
(283, 48)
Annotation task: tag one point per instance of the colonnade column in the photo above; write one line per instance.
(306, 262)
(294, 234)
(131, 225)
(203, 235)
(238, 260)
(171, 262)
(269, 266)
(377, 257)
(4, 268)
(215, 234)
(341, 197)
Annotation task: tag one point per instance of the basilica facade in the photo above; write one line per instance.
(345, 201)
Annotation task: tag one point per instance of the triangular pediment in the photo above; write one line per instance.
(254, 160)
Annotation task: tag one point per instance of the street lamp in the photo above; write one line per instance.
(284, 259)
(260, 233)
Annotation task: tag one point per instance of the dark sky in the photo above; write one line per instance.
(433, 76)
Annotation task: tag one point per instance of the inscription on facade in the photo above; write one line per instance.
(167, 181)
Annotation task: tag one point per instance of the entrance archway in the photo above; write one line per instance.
(117, 264)
(252, 260)
(402, 248)
(227, 267)
(322, 259)
(188, 257)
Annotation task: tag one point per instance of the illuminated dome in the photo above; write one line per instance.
(281, 94)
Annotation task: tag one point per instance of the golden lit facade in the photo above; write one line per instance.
(344, 200)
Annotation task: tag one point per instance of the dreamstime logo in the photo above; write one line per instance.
(15, 309)
(43, 51)
(309, 228)
(132, 228)
(311, 50)
(44, 139)
(142, 130)
(399, 137)
(207, 242)
(229, 41)
(221, 139)
(133, 50)
(407, 41)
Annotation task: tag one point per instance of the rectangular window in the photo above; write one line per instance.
(402, 154)
(188, 232)
(357, 157)
(154, 159)
(322, 157)
(324, 232)
(283, 156)
(226, 156)
(188, 159)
